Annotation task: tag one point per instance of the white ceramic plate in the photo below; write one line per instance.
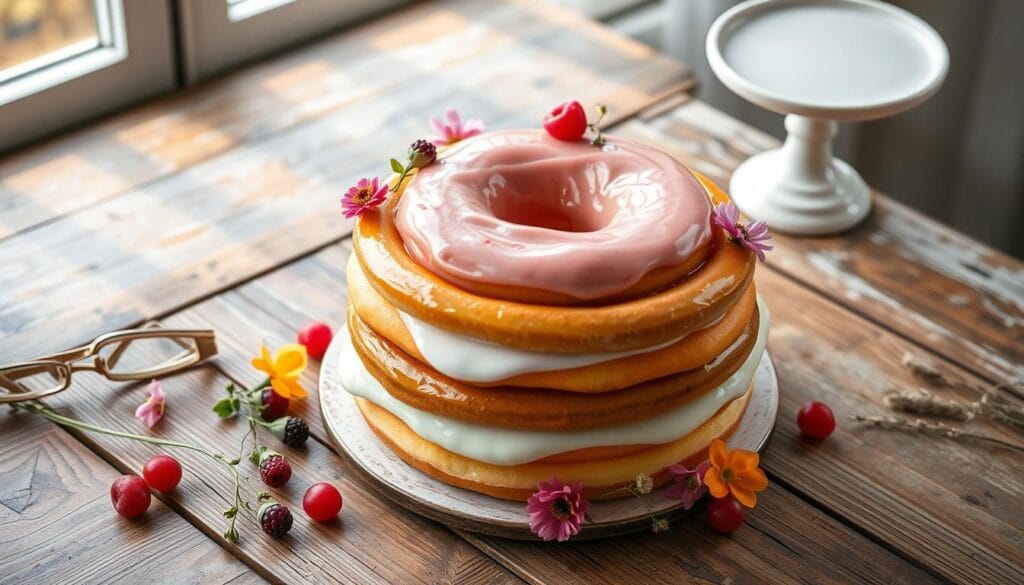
(466, 510)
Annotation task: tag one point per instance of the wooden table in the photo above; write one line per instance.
(218, 208)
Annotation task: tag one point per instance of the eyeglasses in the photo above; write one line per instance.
(131, 354)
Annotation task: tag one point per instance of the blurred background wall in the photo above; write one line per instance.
(958, 158)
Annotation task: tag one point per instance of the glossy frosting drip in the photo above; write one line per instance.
(501, 446)
(520, 208)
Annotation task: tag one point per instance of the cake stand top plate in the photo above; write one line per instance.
(830, 59)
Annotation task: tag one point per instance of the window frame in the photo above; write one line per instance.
(132, 59)
(217, 35)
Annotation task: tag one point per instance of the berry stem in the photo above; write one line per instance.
(231, 534)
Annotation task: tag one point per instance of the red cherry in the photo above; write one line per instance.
(815, 420)
(725, 515)
(162, 473)
(322, 502)
(316, 337)
(274, 405)
(130, 495)
(568, 122)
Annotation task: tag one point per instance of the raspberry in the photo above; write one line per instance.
(130, 496)
(567, 122)
(274, 405)
(275, 519)
(316, 337)
(815, 420)
(274, 469)
(322, 502)
(421, 154)
(162, 473)
(726, 515)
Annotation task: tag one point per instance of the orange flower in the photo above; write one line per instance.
(284, 370)
(736, 472)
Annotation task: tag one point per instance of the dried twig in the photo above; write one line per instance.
(922, 426)
(921, 401)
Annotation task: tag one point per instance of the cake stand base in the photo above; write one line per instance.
(473, 512)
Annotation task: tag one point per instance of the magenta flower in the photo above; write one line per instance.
(753, 236)
(455, 130)
(689, 485)
(364, 196)
(152, 410)
(557, 509)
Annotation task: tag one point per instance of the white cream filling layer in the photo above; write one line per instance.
(501, 446)
(472, 360)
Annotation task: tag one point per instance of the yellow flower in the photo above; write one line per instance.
(735, 472)
(284, 370)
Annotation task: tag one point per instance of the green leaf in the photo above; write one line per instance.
(397, 166)
(226, 407)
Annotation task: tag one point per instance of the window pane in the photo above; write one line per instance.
(242, 9)
(37, 33)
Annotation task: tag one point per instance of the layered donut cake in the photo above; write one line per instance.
(526, 308)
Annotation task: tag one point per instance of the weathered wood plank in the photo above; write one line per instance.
(952, 294)
(371, 543)
(785, 540)
(953, 507)
(202, 229)
(276, 304)
(270, 310)
(57, 524)
(559, 51)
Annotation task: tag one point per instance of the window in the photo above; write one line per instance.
(220, 34)
(64, 61)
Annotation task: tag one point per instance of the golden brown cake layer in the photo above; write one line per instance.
(518, 482)
(422, 387)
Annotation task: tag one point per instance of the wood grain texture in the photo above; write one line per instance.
(57, 524)
(372, 543)
(455, 41)
(785, 540)
(953, 507)
(277, 303)
(935, 286)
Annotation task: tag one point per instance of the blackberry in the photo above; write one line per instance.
(275, 519)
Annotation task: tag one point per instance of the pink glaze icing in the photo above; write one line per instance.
(518, 207)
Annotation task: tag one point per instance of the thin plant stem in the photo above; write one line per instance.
(231, 534)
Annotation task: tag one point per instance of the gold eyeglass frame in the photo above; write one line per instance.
(197, 344)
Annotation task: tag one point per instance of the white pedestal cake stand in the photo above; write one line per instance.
(470, 511)
(819, 61)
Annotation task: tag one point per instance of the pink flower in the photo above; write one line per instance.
(364, 196)
(454, 130)
(557, 509)
(152, 410)
(689, 485)
(752, 236)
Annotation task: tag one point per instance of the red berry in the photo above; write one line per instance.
(274, 405)
(316, 337)
(725, 515)
(130, 495)
(275, 519)
(816, 420)
(274, 469)
(568, 122)
(322, 502)
(162, 473)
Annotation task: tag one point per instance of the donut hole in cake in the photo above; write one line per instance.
(566, 200)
